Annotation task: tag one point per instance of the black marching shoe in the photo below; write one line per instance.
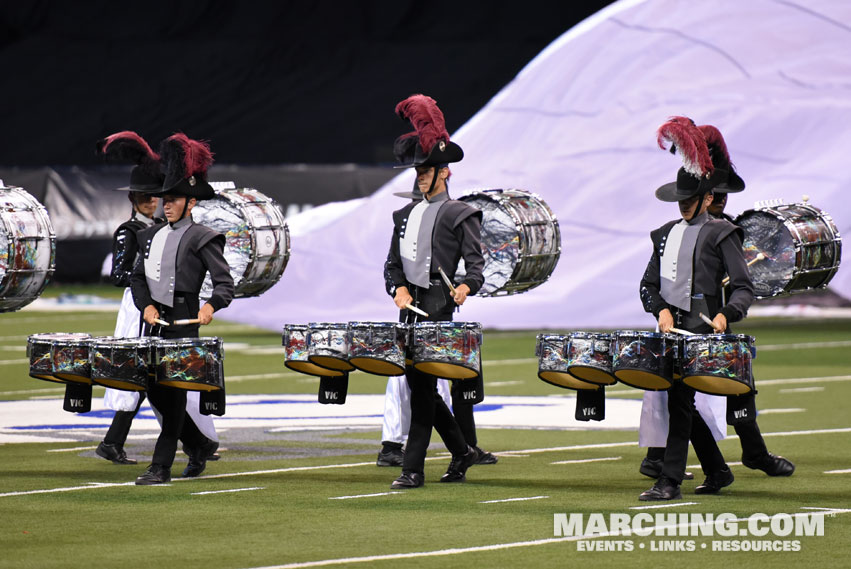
(652, 468)
(408, 480)
(391, 454)
(457, 471)
(113, 453)
(772, 465)
(714, 482)
(156, 474)
(484, 457)
(664, 489)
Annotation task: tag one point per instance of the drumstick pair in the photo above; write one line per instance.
(180, 322)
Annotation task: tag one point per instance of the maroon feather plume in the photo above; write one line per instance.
(127, 146)
(426, 118)
(690, 142)
(193, 157)
(714, 139)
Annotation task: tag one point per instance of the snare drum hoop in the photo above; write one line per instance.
(110, 342)
(202, 342)
(503, 197)
(10, 304)
(656, 381)
(372, 364)
(709, 384)
(800, 243)
(329, 361)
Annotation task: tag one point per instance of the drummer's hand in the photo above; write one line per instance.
(461, 292)
(402, 297)
(205, 315)
(666, 321)
(151, 314)
(719, 323)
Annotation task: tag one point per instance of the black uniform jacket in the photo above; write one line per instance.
(457, 234)
(718, 251)
(201, 249)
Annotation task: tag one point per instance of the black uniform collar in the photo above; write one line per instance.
(442, 196)
(181, 222)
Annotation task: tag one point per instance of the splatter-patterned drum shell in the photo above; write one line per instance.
(451, 350)
(378, 347)
(718, 364)
(801, 245)
(122, 363)
(193, 364)
(27, 249)
(328, 345)
(70, 357)
(644, 360)
(40, 354)
(551, 350)
(589, 357)
(294, 340)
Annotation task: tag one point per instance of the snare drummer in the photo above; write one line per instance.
(166, 281)
(430, 233)
(683, 279)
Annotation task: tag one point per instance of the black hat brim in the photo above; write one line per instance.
(192, 187)
(450, 153)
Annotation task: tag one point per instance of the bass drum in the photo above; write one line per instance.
(257, 240)
(27, 249)
(521, 241)
(801, 245)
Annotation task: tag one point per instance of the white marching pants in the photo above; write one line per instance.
(653, 427)
(397, 408)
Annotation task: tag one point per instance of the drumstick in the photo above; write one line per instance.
(706, 319)
(417, 310)
(161, 322)
(187, 321)
(683, 332)
(446, 280)
(760, 256)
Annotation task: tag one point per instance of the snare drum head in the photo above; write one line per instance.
(521, 242)
(257, 240)
(27, 249)
(801, 246)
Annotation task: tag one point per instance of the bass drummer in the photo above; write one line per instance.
(683, 280)
(172, 262)
(430, 234)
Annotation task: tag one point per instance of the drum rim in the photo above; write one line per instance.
(401, 368)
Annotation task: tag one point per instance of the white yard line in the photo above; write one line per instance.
(658, 506)
(227, 491)
(514, 500)
(584, 460)
(364, 496)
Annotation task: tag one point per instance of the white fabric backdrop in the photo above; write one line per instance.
(577, 126)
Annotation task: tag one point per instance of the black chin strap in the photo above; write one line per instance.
(183, 213)
(433, 182)
(700, 197)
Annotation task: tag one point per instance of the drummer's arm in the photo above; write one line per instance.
(650, 292)
(741, 287)
(394, 275)
(139, 286)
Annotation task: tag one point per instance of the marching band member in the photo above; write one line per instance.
(166, 282)
(683, 279)
(430, 233)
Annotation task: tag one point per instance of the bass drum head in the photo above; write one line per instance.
(27, 249)
(257, 239)
(521, 241)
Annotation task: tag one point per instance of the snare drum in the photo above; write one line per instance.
(27, 249)
(644, 360)
(328, 345)
(801, 244)
(193, 364)
(551, 350)
(451, 350)
(718, 364)
(294, 340)
(41, 357)
(257, 240)
(122, 363)
(521, 241)
(589, 357)
(378, 347)
(70, 357)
